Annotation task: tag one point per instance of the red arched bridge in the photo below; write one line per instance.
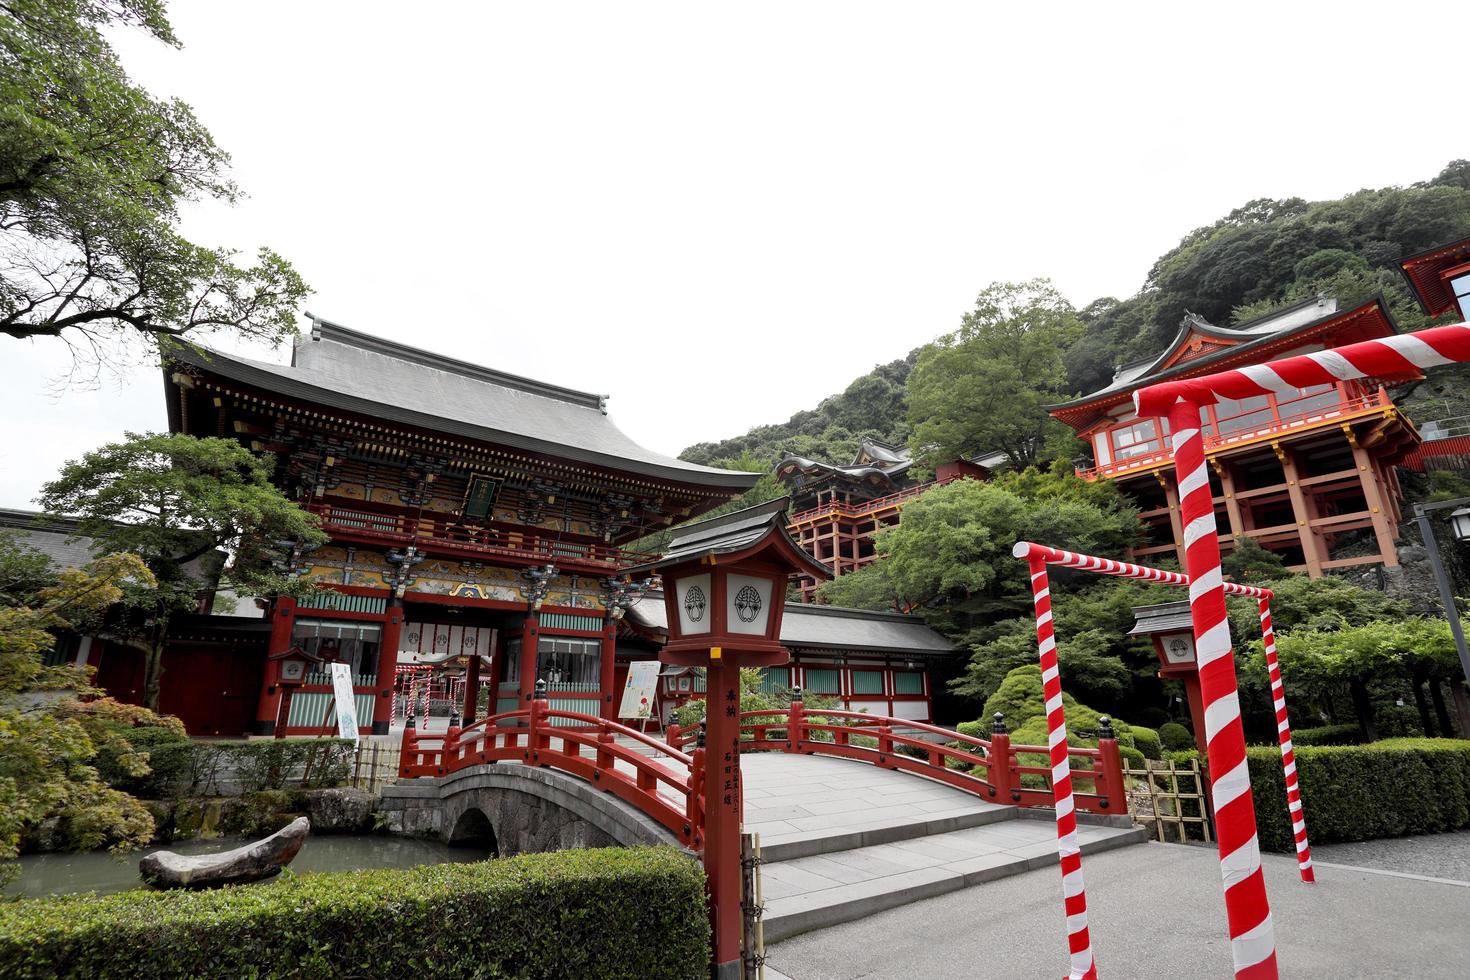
(668, 781)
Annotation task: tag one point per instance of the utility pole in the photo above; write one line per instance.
(1446, 593)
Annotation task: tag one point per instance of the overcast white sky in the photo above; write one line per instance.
(719, 213)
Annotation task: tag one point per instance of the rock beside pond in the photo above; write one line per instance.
(341, 810)
(253, 862)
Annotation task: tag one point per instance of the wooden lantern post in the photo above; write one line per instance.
(725, 590)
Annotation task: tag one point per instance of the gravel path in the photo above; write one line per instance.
(1434, 855)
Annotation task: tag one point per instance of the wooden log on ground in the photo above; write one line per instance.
(253, 862)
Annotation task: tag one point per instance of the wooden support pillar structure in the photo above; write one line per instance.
(1232, 506)
(387, 667)
(1303, 511)
(1171, 495)
(268, 707)
(472, 690)
(607, 674)
(530, 636)
(1368, 476)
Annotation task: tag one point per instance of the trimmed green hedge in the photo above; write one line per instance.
(1361, 792)
(1327, 735)
(1146, 740)
(612, 913)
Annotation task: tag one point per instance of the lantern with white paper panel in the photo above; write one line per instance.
(725, 590)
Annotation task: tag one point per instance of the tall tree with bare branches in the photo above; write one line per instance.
(93, 173)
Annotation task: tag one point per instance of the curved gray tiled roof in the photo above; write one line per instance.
(1293, 319)
(811, 627)
(372, 376)
(53, 538)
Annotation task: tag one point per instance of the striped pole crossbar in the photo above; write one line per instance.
(1123, 569)
(1252, 942)
(1074, 898)
(1405, 354)
(1263, 597)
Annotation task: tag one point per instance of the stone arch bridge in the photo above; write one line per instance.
(856, 812)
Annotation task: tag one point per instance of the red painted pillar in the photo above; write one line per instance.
(530, 631)
(722, 813)
(472, 689)
(387, 668)
(609, 660)
(268, 707)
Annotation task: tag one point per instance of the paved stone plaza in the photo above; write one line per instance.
(1156, 911)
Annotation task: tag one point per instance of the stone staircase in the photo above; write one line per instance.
(844, 839)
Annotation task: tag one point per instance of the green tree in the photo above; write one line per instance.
(177, 502)
(950, 558)
(93, 172)
(1414, 651)
(48, 740)
(984, 387)
(1252, 564)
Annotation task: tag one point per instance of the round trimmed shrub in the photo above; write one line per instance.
(1175, 737)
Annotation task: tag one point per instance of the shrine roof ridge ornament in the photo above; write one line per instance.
(383, 379)
(736, 533)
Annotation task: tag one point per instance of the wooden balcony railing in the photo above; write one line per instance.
(857, 510)
(1276, 424)
(447, 532)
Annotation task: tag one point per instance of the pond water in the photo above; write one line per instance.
(59, 874)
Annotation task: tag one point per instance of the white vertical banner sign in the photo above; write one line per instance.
(639, 690)
(346, 701)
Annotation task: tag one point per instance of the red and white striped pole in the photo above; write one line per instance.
(1074, 897)
(1252, 939)
(1252, 942)
(1288, 756)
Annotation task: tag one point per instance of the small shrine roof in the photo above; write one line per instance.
(812, 627)
(1166, 617)
(733, 533)
(380, 378)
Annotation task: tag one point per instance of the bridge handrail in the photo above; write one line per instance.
(958, 760)
(487, 740)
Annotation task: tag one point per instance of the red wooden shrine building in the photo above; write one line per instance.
(1309, 475)
(478, 525)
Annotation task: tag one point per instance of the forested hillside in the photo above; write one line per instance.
(1264, 254)
(874, 406)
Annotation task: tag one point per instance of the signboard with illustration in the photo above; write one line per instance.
(639, 690)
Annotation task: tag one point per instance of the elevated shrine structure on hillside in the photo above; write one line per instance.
(837, 510)
(1309, 474)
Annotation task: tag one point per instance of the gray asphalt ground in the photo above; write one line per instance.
(1435, 855)
(1155, 911)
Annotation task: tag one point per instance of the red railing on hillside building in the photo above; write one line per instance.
(1276, 425)
(857, 510)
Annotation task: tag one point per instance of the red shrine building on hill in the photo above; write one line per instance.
(837, 510)
(1309, 475)
(479, 528)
